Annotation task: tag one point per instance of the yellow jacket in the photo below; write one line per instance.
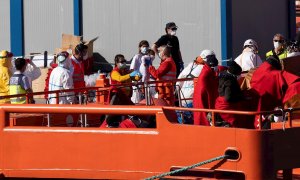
(4, 80)
(281, 56)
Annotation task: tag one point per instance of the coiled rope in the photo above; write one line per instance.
(188, 167)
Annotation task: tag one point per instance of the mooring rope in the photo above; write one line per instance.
(187, 167)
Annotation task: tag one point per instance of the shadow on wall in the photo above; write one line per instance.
(100, 63)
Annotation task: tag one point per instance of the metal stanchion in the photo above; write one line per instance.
(45, 59)
(147, 94)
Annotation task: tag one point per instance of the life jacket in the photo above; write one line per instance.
(166, 90)
(88, 65)
(78, 75)
(281, 56)
(16, 88)
(126, 90)
(172, 73)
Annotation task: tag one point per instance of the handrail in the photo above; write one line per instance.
(229, 111)
(90, 88)
(56, 91)
(260, 113)
(97, 89)
(77, 109)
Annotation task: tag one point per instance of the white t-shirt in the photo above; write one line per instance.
(144, 69)
(136, 62)
(248, 60)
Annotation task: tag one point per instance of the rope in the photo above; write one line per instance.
(187, 167)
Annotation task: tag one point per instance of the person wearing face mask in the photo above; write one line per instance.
(121, 75)
(165, 71)
(172, 41)
(146, 62)
(279, 47)
(206, 89)
(137, 65)
(5, 74)
(61, 79)
(186, 88)
(249, 58)
(76, 65)
(120, 95)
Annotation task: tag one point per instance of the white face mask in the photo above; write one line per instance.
(277, 45)
(173, 33)
(144, 50)
(121, 65)
(61, 58)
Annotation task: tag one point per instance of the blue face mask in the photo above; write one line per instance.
(144, 50)
(121, 65)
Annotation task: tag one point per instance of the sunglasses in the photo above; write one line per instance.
(174, 29)
(281, 41)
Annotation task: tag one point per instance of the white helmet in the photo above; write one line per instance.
(251, 42)
(206, 53)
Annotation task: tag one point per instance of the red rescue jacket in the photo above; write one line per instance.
(78, 74)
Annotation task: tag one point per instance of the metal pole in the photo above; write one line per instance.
(81, 115)
(48, 117)
(179, 95)
(147, 93)
(213, 120)
(45, 59)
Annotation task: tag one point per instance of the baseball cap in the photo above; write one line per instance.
(250, 42)
(171, 25)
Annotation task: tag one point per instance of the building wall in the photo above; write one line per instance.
(258, 20)
(44, 23)
(122, 24)
(5, 25)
